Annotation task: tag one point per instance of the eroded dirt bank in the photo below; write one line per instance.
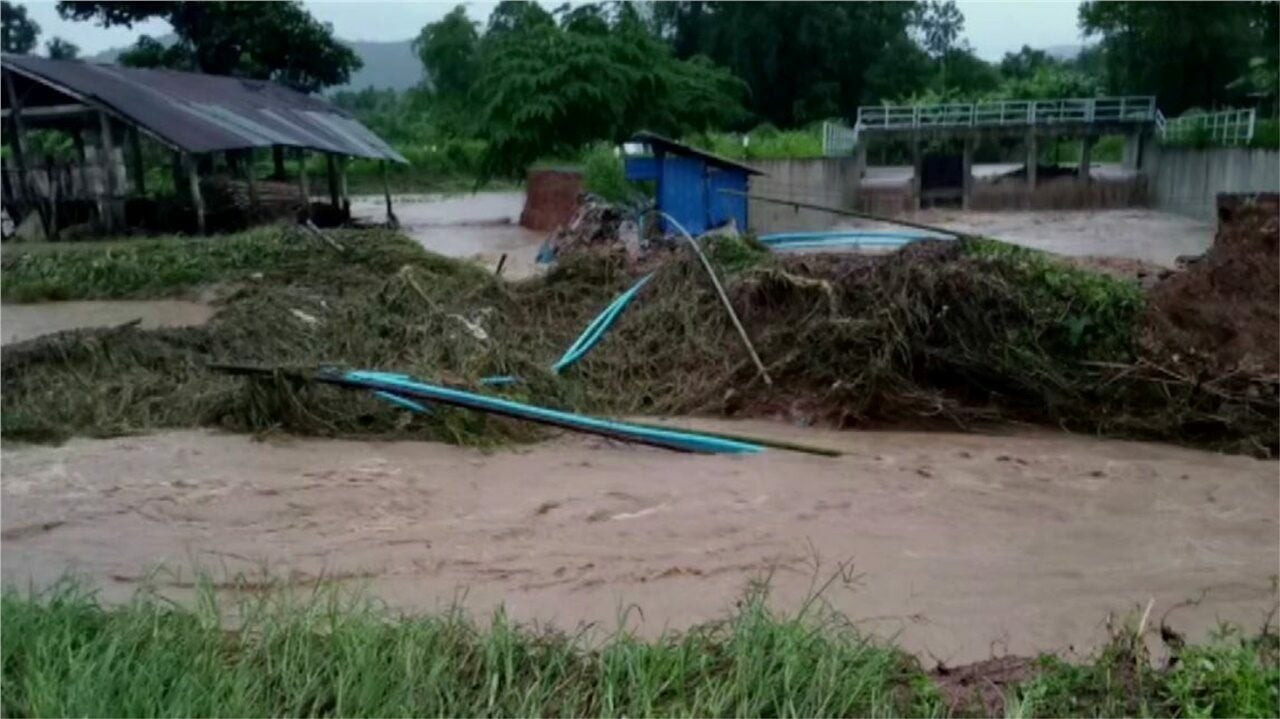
(961, 545)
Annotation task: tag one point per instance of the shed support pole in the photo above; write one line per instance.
(331, 171)
(252, 184)
(1033, 160)
(966, 187)
(277, 162)
(197, 199)
(106, 159)
(342, 189)
(80, 188)
(135, 154)
(1086, 157)
(386, 193)
(18, 146)
(917, 179)
(303, 187)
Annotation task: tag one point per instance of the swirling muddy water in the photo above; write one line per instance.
(958, 546)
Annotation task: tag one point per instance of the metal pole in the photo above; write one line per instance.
(724, 298)
(252, 182)
(386, 192)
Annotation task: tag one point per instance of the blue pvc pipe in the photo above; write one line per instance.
(591, 336)
(674, 439)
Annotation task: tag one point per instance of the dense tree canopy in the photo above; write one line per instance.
(1187, 54)
(803, 61)
(599, 74)
(278, 41)
(19, 31)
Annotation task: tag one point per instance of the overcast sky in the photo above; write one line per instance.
(992, 28)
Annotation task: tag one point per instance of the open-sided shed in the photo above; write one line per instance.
(107, 107)
(691, 183)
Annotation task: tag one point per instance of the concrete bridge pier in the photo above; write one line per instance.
(966, 155)
(1033, 159)
(1132, 157)
(1086, 156)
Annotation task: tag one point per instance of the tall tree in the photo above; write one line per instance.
(548, 90)
(1187, 54)
(19, 31)
(58, 49)
(448, 49)
(277, 41)
(802, 61)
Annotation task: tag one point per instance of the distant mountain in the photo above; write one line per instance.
(386, 64)
(1063, 53)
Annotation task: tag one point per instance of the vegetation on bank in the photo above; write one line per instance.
(330, 653)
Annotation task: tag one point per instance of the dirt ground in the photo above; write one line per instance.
(961, 547)
(20, 322)
(481, 226)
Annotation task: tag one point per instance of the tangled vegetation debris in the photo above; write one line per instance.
(952, 332)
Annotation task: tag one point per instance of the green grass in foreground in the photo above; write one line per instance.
(337, 655)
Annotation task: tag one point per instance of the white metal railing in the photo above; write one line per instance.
(1227, 127)
(838, 140)
(1008, 112)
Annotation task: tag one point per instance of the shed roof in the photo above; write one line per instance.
(200, 113)
(679, 148)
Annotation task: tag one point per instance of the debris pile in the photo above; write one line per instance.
(957, 332)
(599, 227)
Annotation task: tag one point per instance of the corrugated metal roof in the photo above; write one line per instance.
(679, 148)
(208, 113)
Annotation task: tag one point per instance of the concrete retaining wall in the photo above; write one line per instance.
(829, 181)
(1187, 181)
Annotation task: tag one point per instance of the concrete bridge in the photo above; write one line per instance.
(1030, 121)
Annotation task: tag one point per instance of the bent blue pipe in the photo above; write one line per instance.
(601, 324)
(413, 390)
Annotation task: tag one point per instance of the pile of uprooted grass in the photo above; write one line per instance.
(339, 655)
(960, 332)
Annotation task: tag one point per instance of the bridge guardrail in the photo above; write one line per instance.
(1138, 108)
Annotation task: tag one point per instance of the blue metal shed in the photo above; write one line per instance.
(689, 181)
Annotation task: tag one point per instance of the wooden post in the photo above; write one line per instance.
(386, 192)
(331, 169)
(966, 191)
(277, 161)
(302, 184)
(252, 182)
(51, 176)
(193, 178)
(18, 146)
(106, 159)
(342, 189)
(135, 154)
(77, 140)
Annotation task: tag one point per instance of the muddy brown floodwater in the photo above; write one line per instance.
(960, 546)
(481, 227)
(20, 322)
